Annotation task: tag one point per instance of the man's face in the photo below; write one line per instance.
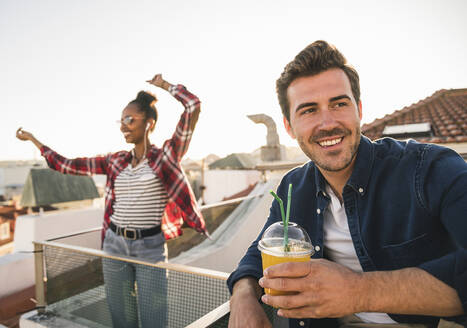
(325, 119)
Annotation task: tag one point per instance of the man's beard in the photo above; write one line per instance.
(327, 164)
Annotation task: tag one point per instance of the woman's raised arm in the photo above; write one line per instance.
(76, 166)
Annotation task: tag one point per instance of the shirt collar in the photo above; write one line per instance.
(363, 166)
(320, 182)
(361, 172)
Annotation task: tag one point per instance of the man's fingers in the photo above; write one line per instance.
(303, 312)
(290, 269)
(288, 302)
(289, 284)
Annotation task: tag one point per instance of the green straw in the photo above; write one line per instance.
(281, 204)
(285, 219)
(286, 225)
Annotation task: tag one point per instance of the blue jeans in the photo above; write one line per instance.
(136, 293)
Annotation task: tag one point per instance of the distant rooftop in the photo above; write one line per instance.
(445, 111)
(45, 187)
(236, 161)
(20, 163)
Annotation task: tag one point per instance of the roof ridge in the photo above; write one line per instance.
(444, 109)
(405, 109)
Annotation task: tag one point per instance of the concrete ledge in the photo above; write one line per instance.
(35, 320)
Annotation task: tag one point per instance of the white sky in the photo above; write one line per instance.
(68, 68)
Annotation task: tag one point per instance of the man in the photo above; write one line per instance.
(388, 219)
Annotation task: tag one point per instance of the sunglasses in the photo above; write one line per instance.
(127, 120)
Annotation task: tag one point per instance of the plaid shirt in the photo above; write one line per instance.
(165, 162)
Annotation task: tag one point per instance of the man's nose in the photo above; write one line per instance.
(326, 119)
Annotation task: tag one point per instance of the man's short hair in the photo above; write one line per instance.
(314, 59)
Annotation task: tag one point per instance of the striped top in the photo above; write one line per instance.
(140, 197)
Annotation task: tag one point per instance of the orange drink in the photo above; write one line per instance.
(276, 255)
(273, 250)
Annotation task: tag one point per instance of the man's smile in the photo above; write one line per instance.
(330, 142)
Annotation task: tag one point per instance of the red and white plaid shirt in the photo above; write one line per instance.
(165, 162)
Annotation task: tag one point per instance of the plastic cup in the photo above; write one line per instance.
(273, 252)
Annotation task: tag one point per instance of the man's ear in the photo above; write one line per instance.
(288, 128)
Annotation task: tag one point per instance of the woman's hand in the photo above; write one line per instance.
(24, 135)
(158, 81)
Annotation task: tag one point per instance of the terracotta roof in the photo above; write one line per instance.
(445, 110)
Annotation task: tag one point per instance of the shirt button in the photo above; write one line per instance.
(318, 211)
(317, 248)
(302, 323)
(360, 190)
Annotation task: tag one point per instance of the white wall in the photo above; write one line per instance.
(39, 227)
(18, 268)
(16, 273)
(225, 183)
(15, 175)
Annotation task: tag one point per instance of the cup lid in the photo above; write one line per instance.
(273, 238)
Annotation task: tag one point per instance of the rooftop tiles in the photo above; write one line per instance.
(445, 110)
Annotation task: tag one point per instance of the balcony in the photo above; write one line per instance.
(71, 290)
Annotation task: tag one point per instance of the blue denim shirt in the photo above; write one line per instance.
(406, 205)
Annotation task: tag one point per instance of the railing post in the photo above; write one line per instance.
(39, 273)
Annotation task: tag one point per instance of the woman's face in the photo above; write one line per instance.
(133, 124)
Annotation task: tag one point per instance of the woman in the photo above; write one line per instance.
(147, 197)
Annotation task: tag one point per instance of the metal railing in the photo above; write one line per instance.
(70, 284)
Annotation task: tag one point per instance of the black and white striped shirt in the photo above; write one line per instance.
(140, 197)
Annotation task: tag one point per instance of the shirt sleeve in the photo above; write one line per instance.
(177, 146)
(445, 195)
(76, 166)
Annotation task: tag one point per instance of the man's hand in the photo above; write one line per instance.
(327, 289)
(245, 310)
(324, 289)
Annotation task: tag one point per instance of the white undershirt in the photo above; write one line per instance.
(140, 197)
(339, 247)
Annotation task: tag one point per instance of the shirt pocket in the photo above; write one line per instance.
(412, 252)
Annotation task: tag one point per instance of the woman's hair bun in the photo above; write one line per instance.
(146, 103)
(146, 98)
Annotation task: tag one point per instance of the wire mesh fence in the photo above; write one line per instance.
(92, 289)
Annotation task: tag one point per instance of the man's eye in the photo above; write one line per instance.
(340, 104)
(307, 110)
